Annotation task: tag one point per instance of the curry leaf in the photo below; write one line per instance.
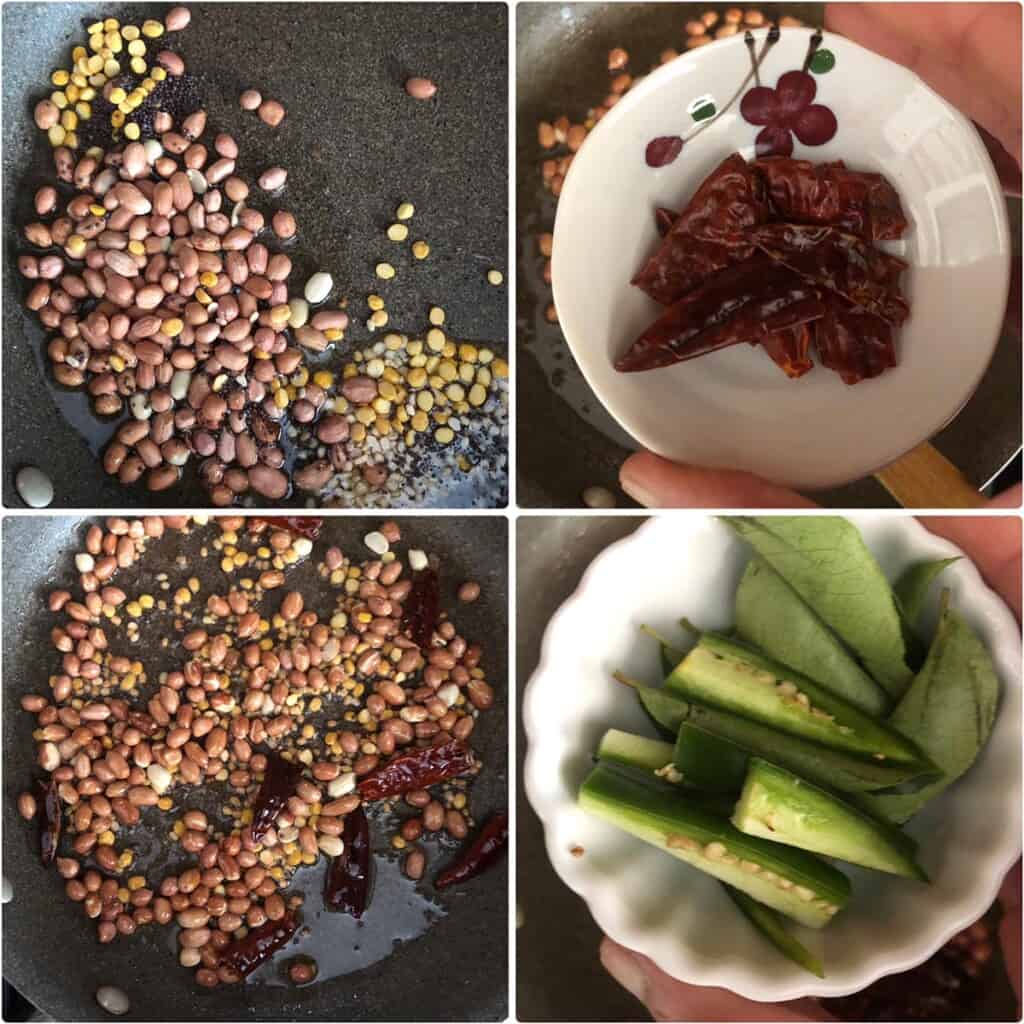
(948, 711)
(911, 588)
(825, 560)
(772, 616)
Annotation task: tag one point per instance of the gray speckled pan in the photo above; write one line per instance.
(355, 146)
(566, 439)
(455, 971)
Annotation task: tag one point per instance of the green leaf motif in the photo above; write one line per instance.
(701, 108)
(912, 587)
(823, 62)
(825, 560)
(948, 711)
(772, 616)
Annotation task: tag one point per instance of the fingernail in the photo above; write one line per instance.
(625, 968)
(632, 478)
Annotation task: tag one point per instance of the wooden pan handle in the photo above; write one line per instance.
(925, 478)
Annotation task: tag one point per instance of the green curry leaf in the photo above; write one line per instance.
(911, 588)
(825, 560)
(773, 617)
(948, 711)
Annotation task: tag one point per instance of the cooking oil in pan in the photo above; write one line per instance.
(398, 912)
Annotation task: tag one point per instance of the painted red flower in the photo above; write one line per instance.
(787, 110)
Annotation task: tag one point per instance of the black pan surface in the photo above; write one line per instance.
(355, 147)
(455, 970)
(566, 439)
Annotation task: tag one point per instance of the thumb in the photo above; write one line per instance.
(668, 999)
(657, 483)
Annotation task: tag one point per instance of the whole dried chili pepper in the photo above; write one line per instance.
(862, 203)
(259, 945)
(741, 303)
(279, 782)
(422, 607)
(49, 836)
(417, 770)
(304, 526)
(840, 263)
(789, 349)
(483, 852)
(709, 235)
(348, 883)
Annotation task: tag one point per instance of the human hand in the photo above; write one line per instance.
(969, 53)
(994, 545)
(658, 483)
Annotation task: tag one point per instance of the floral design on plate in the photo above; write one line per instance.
(787, 110)
(781, 112)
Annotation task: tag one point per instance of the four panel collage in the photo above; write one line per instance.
(511, 511)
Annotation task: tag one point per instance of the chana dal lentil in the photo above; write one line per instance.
(263, 680)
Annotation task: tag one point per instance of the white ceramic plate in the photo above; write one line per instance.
(735, 408)
(680, 918)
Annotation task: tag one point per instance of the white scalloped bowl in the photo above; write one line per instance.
(682, 919)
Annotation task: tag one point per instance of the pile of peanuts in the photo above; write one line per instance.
(164, 305)
(177, 311)
(563, 137)
(118, 741)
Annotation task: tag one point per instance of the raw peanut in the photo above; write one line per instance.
(420, 88)
(271, 112)
(273, 178)
(414, 864)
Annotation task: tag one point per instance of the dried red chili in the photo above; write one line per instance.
(348, 883)
(815, 221)
(146, 724)
(664, 218)
(857, 345)
(279, 782)
(741, 303)
(709, 235)
(303, 526)
(417, 770)
(840, 263)
(259, 945)
(482, 853)
(422, 607)
(862, 203)
(790, 349)
(50, 822)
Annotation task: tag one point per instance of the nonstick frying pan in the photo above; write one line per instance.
(456, 970)
(355, 147)
(566, 440)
